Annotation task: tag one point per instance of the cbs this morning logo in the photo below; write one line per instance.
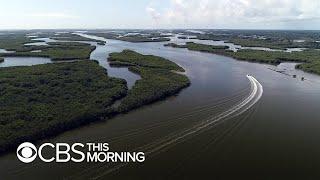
(26, 152)
(88, 152)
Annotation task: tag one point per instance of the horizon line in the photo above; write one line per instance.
(248, 29)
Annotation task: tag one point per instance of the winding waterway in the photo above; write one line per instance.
(277, 137)
(232, 46)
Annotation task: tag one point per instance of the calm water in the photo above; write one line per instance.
(102, 52)
(5, 51)
(23, 61)
(276, 139)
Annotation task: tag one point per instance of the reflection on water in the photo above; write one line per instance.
(44, 42)
(5, 51)
(290, 69)
(24, 61)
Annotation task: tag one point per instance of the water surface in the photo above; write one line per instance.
(24, 61)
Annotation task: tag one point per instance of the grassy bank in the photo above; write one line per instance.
(310, 58)
(158, 78)
(42, 100)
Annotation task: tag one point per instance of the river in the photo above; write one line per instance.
(277, 137)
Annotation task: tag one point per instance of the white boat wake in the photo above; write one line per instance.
(255, 95)
(236, 110)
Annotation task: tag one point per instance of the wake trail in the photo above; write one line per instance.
(236, 110)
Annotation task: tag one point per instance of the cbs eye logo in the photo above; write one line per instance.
(27, 152)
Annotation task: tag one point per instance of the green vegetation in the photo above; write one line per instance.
(108, 35)
(55, 50)
(174, 45)
(272, 57)
(59, 51)
(73, 37)
(159, 79)
(15, 42)
(268, 43)
(42, 100)
(198, 47)
(274, 43)
(133, 38)
(313, 67)
(140, 38)
(268, 39)
(136, 59)
(204, 48)
(201, 47)
(182, 37)
(310, 58)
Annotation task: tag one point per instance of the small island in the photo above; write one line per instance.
(43, 100)
(159, 78)
(1, 59)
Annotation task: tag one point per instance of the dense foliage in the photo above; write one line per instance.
(265, 38)
(15, 42)
(158, 78)
(136, 59)
(204, 48)
(313, 67)
(43, 100)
